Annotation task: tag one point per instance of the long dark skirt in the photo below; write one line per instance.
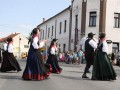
(14, 62)
(9, 62)
(35, 68)
(102, 68)
(0, 56)
(52, 60)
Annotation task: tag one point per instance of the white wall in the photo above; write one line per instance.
(92, 5)
(112, 32)
(113, 6)
(63, 38)
(23, 41)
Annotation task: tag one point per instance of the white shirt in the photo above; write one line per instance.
(35, 43)
(5, 46)
(92, 44)
(10, 48)
(105, 47)
(53, 50)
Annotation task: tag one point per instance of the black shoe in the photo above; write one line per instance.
(84, 76)
(19, 70)
(113, 78)
(93, 78)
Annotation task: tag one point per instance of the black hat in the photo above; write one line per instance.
(54, 40)
(90, 34)
(9, 39)
(102, 35)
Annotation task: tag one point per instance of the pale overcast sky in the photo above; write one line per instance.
(23, 15)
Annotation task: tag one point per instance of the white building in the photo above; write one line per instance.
(82, 17)
(20, 43)
(57, 27)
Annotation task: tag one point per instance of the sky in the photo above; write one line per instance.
(23, 15)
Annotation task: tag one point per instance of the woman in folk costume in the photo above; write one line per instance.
(35, 68)
(102, 68)
(9, 61)
(52, 57)
(5, 65)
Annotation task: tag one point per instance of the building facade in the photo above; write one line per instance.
(82, 17)
(57, 27)
(20, 43)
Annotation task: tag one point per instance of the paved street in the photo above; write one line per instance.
(69, 79)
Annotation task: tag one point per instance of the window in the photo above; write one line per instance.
(59, 47)
(43, 34)
(92, 19)
(117, 20)
(48, 32)
(52, 30)
(76, 21)
(65, 22)
(64, 47)
(26, 46)
(60, 27)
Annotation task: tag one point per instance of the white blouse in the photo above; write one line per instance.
(5, 46)
(53, 50)
(10, 48)
(35, 43)
(105, 47)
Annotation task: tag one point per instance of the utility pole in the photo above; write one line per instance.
(19, 46)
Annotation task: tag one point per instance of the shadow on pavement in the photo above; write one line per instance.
(75, 71)
(70, 77)
(10, 77)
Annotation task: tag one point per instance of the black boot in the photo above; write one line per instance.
(93, 78)
(84, 76)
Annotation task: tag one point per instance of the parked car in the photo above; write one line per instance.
(118, 58)
(23, 55)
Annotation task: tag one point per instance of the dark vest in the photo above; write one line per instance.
(88, 48)
(100, 46)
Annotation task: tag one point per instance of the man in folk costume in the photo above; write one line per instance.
(90, 45)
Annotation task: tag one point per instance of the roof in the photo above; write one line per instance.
(68, 8)
(11, 35)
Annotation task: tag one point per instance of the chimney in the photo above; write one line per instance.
(43, 19)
